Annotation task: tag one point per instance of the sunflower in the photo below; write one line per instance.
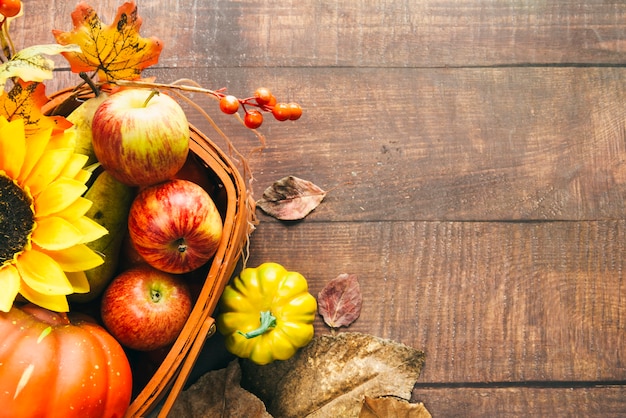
(43, 227)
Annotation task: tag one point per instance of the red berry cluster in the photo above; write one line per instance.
(264, 101)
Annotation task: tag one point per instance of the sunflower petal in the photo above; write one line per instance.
(67, 139)
(35, 146)
(12, 147)
(54, 233)
(74, 166)
(58, 196)
(79, 281)
(75, 210)
(47, 169)
(43, 274)
(57, 303)
(82, 176)
(10, 285)
(76, 258)
(90, 229)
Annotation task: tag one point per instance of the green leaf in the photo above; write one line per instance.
(30, 64)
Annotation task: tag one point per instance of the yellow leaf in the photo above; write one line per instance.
(116, 51)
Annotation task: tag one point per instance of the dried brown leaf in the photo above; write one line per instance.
(331, 376)
(291, 198)
(340, 301)
(385, 407)
(218, 394)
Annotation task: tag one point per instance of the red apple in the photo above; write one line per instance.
(140, 137)
(144, 308)
(194, 170)
(129, 257)
(175, 226)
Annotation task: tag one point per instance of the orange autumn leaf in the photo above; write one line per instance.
(116, 51)
(24, 101)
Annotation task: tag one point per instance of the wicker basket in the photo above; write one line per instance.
(237, 214)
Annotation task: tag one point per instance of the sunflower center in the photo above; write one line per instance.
(16, 219)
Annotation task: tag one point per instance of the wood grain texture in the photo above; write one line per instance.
(432, 33)
(592, 402)
(475, 153)
(445, 144)
(486, 301)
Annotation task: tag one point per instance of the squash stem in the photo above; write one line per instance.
(267, 321)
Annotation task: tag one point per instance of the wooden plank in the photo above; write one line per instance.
(555, 136)
(435, 33)
(480, 144)
(503, 302)
(560, 401)
(441, 144)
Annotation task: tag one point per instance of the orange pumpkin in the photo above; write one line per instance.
(59, 365)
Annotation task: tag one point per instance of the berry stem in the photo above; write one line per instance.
(183, 87)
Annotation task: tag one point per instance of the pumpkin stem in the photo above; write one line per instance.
(267, 321)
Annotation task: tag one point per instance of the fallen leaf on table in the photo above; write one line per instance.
(340, 301)
(291, 198)
(331, 376)
(218, 394)
(385, 407)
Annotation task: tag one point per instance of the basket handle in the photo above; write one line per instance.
(207, 330)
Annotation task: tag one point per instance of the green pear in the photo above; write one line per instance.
(82, 117)
(111, 204)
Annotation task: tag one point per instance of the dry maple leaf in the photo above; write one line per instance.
(340, 301)
(331, 376)
(218, 394)
(291, 198)
(116, 51)
(392, 407)
(24, 101)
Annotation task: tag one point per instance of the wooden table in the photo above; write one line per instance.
(475, 153)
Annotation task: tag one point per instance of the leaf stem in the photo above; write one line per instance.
(90, 83)
(267, 321)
